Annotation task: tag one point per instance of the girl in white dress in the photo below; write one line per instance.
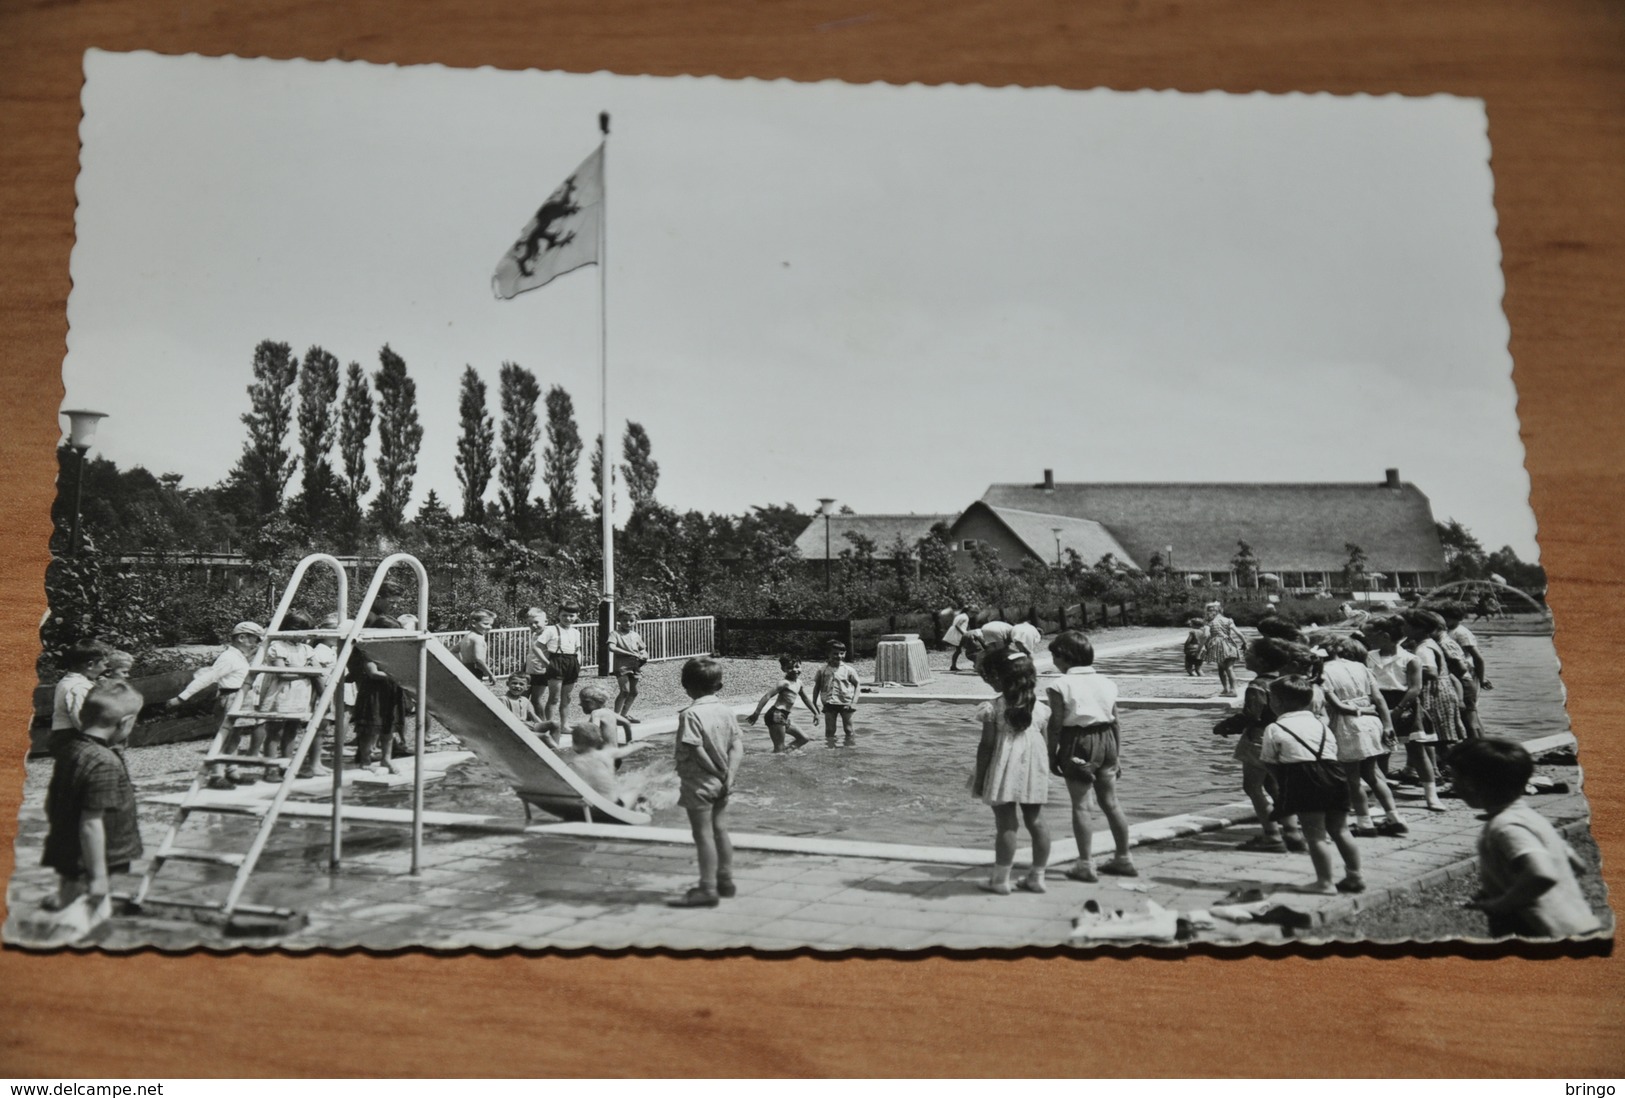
(1012, 765)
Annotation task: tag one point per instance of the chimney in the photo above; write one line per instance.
(1049, 480)
(1393, 478)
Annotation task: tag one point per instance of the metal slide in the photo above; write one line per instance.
(483, 724)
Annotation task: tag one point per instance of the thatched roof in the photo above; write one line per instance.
(1037, 531)
(881, 529)
(1291, 527)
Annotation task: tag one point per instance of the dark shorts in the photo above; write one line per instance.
(629, 672)
(564, 667)
(1083, 753)
(708, 793)
(1297, 789)
(777, 718)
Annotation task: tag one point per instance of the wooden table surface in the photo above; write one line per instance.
(1553, 75)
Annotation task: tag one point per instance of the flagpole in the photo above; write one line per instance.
(606, 607)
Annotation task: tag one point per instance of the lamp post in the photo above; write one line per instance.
(825, 506)
(81, 432)
(1056, 530)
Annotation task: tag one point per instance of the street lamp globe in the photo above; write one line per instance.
(82, 427)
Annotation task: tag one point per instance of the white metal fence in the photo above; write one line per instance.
(666, 638)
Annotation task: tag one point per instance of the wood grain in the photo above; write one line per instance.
(1551, 72)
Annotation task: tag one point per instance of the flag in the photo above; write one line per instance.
(561, 237)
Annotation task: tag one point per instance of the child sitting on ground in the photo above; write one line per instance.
(1526, 869)
(595, 760)
(1301, 755)
(1012, 766)
(709, 751)
(517, 701)
(90, 804)
(784, 698)
(596, 708)
(1083, 749)
(835, 690)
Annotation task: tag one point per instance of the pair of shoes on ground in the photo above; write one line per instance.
(700, 896)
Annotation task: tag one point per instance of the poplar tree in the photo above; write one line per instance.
(355, 427)
(399, 436)
(475, 446)
(516, 468)
(598, 481)
(265, 467)
(561, 460)
(640, 470)
(318, 390)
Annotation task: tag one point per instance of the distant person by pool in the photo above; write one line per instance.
(1224, 646)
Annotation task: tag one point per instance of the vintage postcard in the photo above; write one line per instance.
(525, 509)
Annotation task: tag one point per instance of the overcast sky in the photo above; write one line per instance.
(892, 296)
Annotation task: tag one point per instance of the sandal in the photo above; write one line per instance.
(1364, 832)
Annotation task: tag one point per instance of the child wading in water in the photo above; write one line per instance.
(835, 689)
(1083, 749)
(1526, 869)
(783, 697)
(709, 750)
(596, 759)
(1302, 756)
(1012, 766)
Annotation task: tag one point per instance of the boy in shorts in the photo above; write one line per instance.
(783, 697)
(709, 750)
(1083, 745)
(835, 688)
(627, 654)
(90, 804)
(561, 644)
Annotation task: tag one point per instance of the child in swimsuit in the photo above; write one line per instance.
(783, 697)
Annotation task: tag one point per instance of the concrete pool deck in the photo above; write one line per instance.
(573, 886)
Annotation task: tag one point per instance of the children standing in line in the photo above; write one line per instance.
(784, 697)
(1083, 737)
(1012, 766)
(1526, 869)
(1310, 784)
(835, 690)
(1195, 640)
(90, 803)
(561, 644)
(628, 654)
(709, 750)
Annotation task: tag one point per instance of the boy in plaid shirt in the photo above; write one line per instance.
(90, 805)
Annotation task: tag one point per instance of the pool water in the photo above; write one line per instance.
(904, 779)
